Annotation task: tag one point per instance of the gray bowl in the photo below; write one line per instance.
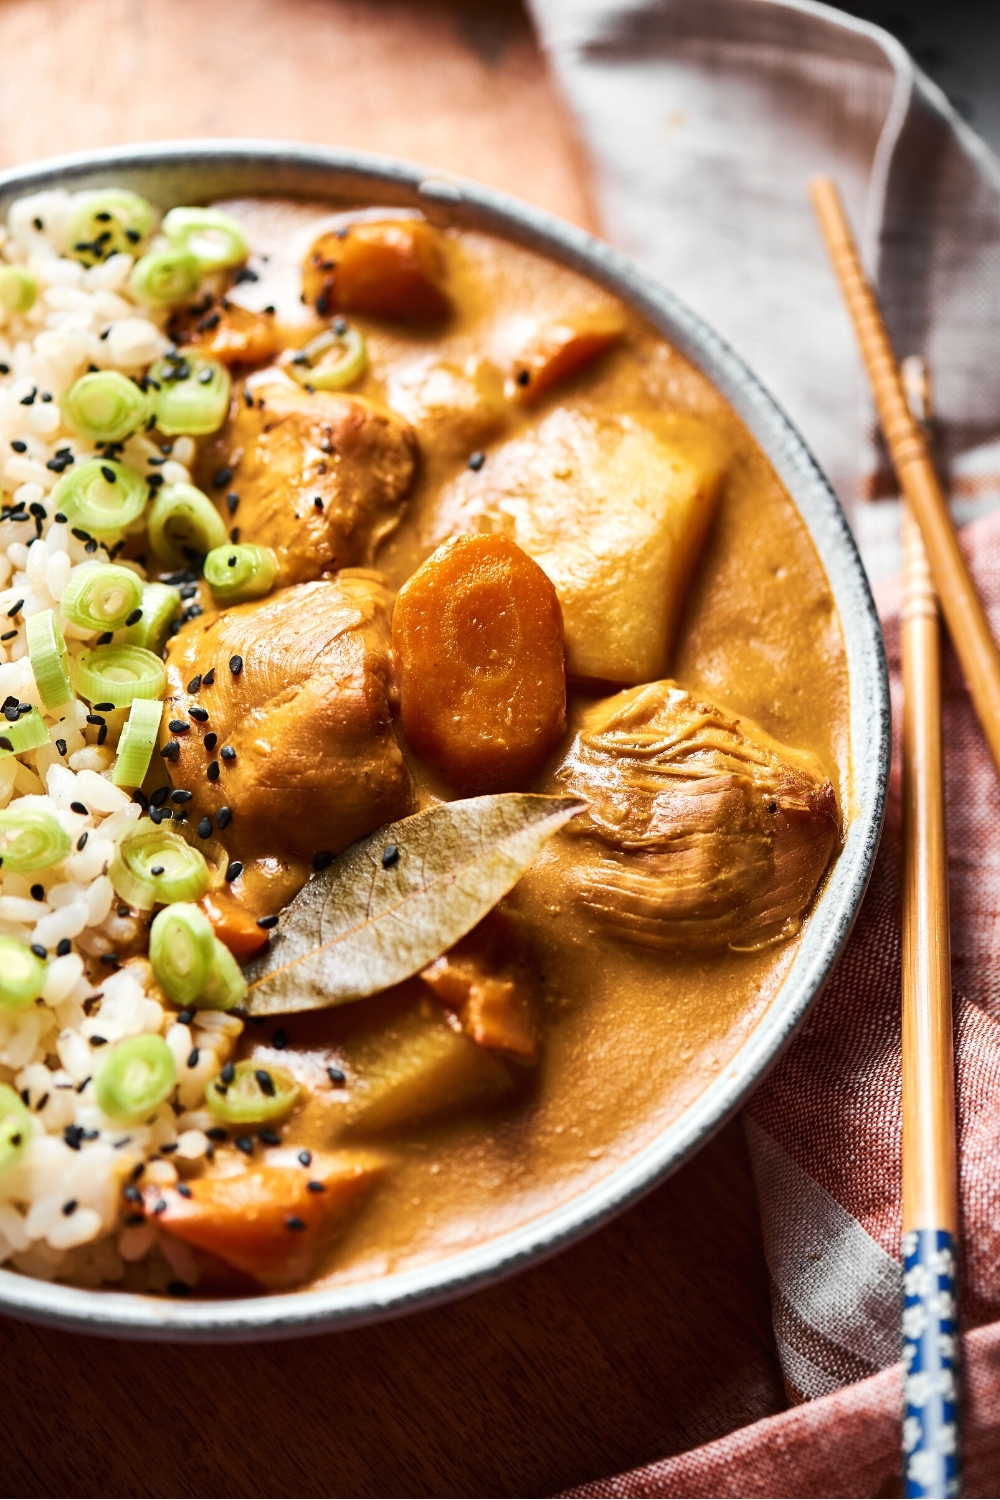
(183, 172)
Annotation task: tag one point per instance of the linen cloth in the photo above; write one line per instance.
(704, 120)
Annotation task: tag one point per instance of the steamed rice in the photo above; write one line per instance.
(63, 1213)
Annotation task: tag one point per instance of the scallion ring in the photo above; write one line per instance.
(100, 596)
(22, 974)
(109, 222)
(240, 571)
(15, 1128)
(18, 289)
(181, 950)
(27, 732)
(137, 742)
(184, 524)
(215, 239)
(226, 985)
(145, 847)
(105, 406)
(190, 394)
(246, 1100)
(31, 836)
(49, 659)
(160, 605)
(119, 674)
(165, 277)
(331, 361)
(135, 1079)
(90, 500)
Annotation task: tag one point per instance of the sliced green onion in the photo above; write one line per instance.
(181, 943)
(160, 605)
(135, 1079)
(107, 223)
(27, 732)
(49, 659)
(31, 836)
(184, 524)
(226, 985)
(164, 277)
(15, 1128)
(248, 1100)
(240, 571)
(137, 742)
(18, 289)
(190, 394)
(153, 866)
(106, 406)
(119, 674)
(22, 974)
(100, 596)
(331, 361)
(89, 499)
(215, 239)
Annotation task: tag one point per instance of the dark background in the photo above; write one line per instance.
(956, 42)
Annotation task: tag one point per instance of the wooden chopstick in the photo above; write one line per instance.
(930, 1200)
(967, 622)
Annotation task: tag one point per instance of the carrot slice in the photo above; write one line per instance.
(266, 1221)
(477, 632)
(393, 270)
(233, 924)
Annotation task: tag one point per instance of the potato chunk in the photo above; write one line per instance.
(320, 477)
(316, 762)
(392, 269)
(420, 1067)
(477, 634)
(615, 510)
(265, 1220)
(702, 831)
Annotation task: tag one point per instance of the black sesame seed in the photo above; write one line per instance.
(184, 1190)
(73, 1136)
(94, 719)
(228, 1073)
(78, 807)
(106, 638)
(168, 1149)
(234, 535)
(269, 1137)
(280, 1039)
(5, 743)
(336, 1076)
(8, 635)
(292, 1221)
(109, 474)
(316, 1187)
(178, 726)
(185, 1017)
(63, 947)
(265, 1082)
(245, 1144)
(42, 952)
(160, 796)
(390, 856)
(211, 740)
(99, 1041)
(194, 684)
(523, 377)
(216, 1133)
(227, 752)
(323, 861)
(81, 842)
(111, 959)
(38, 893)
(213, 770)
(222, 477)
(476, 460)
(267, 922)
(134, 617)
(305, 1157)
(232, 501)
(176, 1288)
(233, 871)
(61, 746)
(193, 1056)
(160, 1207)
(180, 795)
(171, 750)
(205, 827)
(124, 911)
(15, 609)
(224, 817)
(235, 662)
(132, 1194)
(70, 1207)
(19, 447)
(208, 678)
(201, 714)
(103, 708)
(156, 870)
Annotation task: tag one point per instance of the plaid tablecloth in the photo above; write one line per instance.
(704, 120)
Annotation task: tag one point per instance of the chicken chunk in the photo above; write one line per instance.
(315, 762)
(702, 831)
(454, 409)
(615, 510)
(321, 477)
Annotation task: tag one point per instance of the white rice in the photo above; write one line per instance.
(62, 1211)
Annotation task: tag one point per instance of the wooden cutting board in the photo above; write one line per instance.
(650, 1337)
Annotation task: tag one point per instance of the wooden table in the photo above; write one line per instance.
(650, 1337)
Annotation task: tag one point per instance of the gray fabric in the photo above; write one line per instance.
(705, 119)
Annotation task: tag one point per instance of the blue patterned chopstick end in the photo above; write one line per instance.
(931, 1456)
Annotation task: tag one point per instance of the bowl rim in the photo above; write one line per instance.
(211, 169)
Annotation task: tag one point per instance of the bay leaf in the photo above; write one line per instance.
(359, 927)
